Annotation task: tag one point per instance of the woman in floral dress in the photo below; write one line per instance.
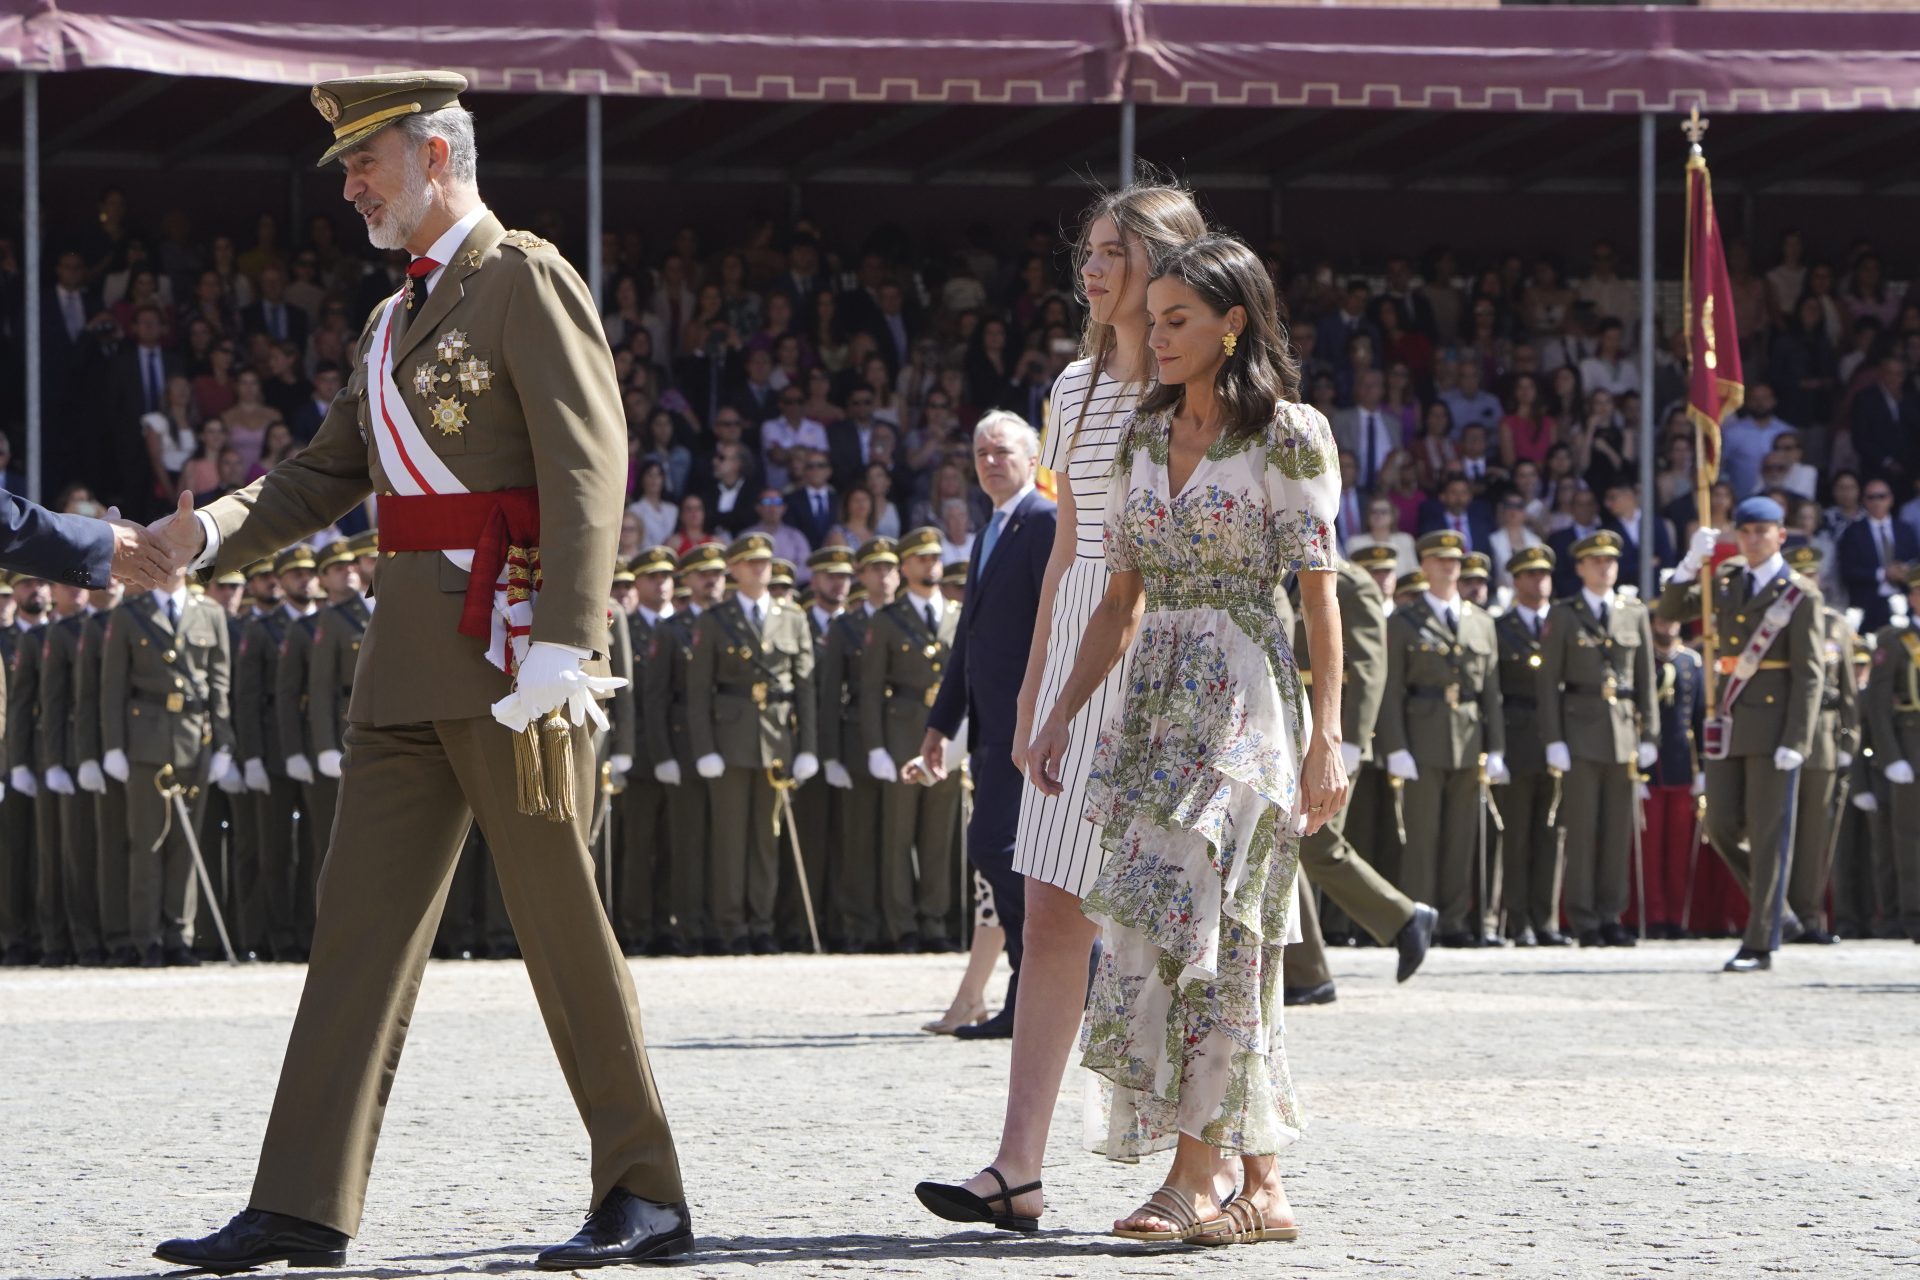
(1211, 768)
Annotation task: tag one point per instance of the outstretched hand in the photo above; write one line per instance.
(140, 559)
(179, 534)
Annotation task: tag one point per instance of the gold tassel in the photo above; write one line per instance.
(556, 750)
(526, 761)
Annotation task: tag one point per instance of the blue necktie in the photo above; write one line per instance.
(991, 536)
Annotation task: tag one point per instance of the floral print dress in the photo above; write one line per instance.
(1195, 781)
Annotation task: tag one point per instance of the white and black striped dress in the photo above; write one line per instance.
(1055, 842)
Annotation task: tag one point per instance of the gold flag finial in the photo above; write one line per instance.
(1695, 127)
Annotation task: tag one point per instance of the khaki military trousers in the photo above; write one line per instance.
(1369, 827)
(114, 866)
(1746, 809)
(645, 853)
(80, 869)
(923, 823)
(16, 870)
(274, 809)
(317, 802)
(49, 882)
(812, 810)
(1529, 854)
(1442, 809)
(687, 830)
(1813, 824)
(1598, 808)
(1898, 875)
(246, 900)
(743, 874)
(853, 879)
(1334, 868)
(162, 893)
(408, 795)
(1305, 962)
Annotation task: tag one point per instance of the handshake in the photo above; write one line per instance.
(146, 557)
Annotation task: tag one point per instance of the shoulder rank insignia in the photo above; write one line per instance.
(524, 240)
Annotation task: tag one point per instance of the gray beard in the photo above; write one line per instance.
(405, 211)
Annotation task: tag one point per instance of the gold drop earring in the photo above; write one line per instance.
(1229, 341)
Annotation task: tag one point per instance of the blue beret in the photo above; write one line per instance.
(1758, 509)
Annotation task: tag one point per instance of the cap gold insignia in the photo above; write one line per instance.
(449, 415)
(452, 346)
(475, 376)
(327, 105)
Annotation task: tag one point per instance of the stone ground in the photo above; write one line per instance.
(1566, 1114)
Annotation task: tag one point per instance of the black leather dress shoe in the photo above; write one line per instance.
(18, 956)
(1591, 938)
(998, 1027)
(1321, 994)
(255, 1238)
(624, 1228)
(1413, 940)
(1552, 938)
(180, 958)
(1618, 935)
(764, 945)
(91, 958)
(1525, 938)
(1748, 960)
(1815, 936)
(1458, 938)
(55, 960)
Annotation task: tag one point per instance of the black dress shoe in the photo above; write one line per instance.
(1459, 938)
(1552, 938)
(255, 1238)
(124, 958)
(1618, 935)
(18, 956)
(1321, 994)
(1749, 960)
(624, 1228)
(505, 949)
(764, 945)
(998, 1027)
(1415, 936)
(1591, 938)
(91, 958)
(1525, 938)
(180, 958)
(1815, 936)
(907, 944)
(1494, 940)
(55, 959)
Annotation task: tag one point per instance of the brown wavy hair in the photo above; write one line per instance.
(1263, 371)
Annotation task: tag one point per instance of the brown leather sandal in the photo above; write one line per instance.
(1171, 1205)
(1241, 1222)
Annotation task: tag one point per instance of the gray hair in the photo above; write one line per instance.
(1015, 425)
(455, 125)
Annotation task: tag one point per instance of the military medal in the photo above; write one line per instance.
(475, 376)
(452, 346)
(449, 415)
(424, 377)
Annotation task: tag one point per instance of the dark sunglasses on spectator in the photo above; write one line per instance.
(773, 502)
(791, 400)
(1879, 495)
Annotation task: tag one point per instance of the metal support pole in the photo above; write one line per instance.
(1648, 514)
(31, 267)
(596, 207)
(1126, 145)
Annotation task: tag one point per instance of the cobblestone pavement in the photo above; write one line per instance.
(1568, 1114)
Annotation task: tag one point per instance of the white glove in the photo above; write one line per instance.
(221, 764)
(115, 765)
(1497, 768)
(3, 791)
(1786, 759)
(299, 768)
(1350, 757)
(1699, 784)
(881, 766)
(1899, 772)
(1642, 792)
(91, 779)
(711, 765)
(329, 764)
(1558, 757)
(59, 781)
(256, 775)
(805, 765)
(551, 677)
(24, 781)
(1843, 760)
(1649, 755)
(1699, 551)
(837, 776)
(667, 772)
(1867, 802)
(1400, 764)
(622, 765)
(231, 781)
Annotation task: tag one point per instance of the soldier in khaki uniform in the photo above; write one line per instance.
(16, 807)
(79, 852)
(1476, 570)
(1836, 739)
(1599, 719)
(750, 712)
(108, 797)
(1893, 716)
(613, 750)
(664, 702)
(832, 574)
(294, 740)
(644, 908)
(164, 683)
(250, 921)
(1768, 727)
(1439, 715)
(907, 647)
(1368, 823)
(227, 827)
(1529, 844)
(28, 748)
(338, 631)
(482, 402)
(854, 873)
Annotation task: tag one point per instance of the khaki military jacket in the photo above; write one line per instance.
(164, 693)
(1442, 700)
(842, 735)
(664, 698)
(1782, 700)
(1596, 683)
(640, 638)
(512, 336)
(1838, 728)
(290, 689)
(1893, 697)
(336, 652)
(900, 672)
(256, 731)
(25, 743)
(1520, 663)
(59, 678)
(1363, 652)
(86, 686)
(624, 705)
(750, 694)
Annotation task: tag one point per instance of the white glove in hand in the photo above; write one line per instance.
(221, 764)
(1699, 784)
(115, 765)
(231, 781)
(329, 764)
(23, 781)
(1899, 772)
(667, 773)
(622, 765)
(1558, 757)
(805, 765)
(1843, 760)
(256, 775)
(91, 779)
(1699, 551)
(1400, 764)
(1787, 759)
(1867, 802)
(1649, 755)
(59, 781)
(881, 765)
(837, 776)
(1350, 757)
(299, 768)
(551, 677)
(1497, 768)
(1642, 792)
(711, 765)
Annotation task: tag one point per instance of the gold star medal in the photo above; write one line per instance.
(449, 415)
(453, 344)
(475, 377)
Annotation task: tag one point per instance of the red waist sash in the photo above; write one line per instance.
(488, 524)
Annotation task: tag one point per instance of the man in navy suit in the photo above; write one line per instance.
(812, 505)
(989, 661)
(1877, 553)
(1585, 510)
(1457, 509)
(1623, 517)
(80, 551)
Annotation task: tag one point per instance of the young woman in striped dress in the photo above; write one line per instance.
(1057, 850)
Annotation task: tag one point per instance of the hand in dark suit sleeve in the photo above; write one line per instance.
(76, 550)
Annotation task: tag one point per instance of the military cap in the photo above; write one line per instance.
(750, 546)
(358, 107)
(831, 560)
(708, 555)
(339, 551)
(1443, 544)
(1415, 581)
(297, 556)
(655, 560)
(1476, 565)
(924, 541)
(877, 551)
(6, 583)
(682, 592)
(1377, 556)
(259, 567)
(231, 578)
(1804, 558)
(856, 597)
(622, 572)
(1604, 543)
(1531, 560)
(955, 574)
(1759, 509)
(366, 544)
(782, 572)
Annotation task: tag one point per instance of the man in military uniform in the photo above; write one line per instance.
(16, 808)
(334, 653)
(1673, 789)
(79, 852)
(1368, 823)
(953, 582)
(645, 847)
(906, 650)
(663, 708)
(1330, 863)
(780, 585)
(1529, 844)
(248, 628)
(1893, 711)
(164, 682)
(1475, 570)
(1836, 737)
(108, 797)
(294, 734)
(1599, 720)
(1379, 560)
(1439, 715)
(1769, 656)
(613, 750)
(28, 746)
(750, 712)
(854, 873)
(228, 829)
(831, 570)
(482, 403)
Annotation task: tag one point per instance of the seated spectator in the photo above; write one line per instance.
(1846, 506)
(825, 336)
(633, 538)
(781, 434)
(1361, 355)
(1582, 521)
(1400, 345)
(230, 477)
(1457, 509)
(1401, 403)
(1527, 484)
(812, 505)
(886, 516)
(1526, 431)
(994, 370)
(311, 412)
(876, 377)
(1434, 452)
(1602, 447)
(1340, 326)
(248, 417)
(729, 499)
(1479, 466)
(1806, 519)
(171, 439)
(1399, 483)
(788, 542)
(284, 388)
(1383, 530)
(213, 391)
(1785, 468)
(653, 506)
(692, 530)
(956, 531)
(1468, 401)
(1512, 534)
(856, 519)
(1610, 368)
(819, 404)
(1624, 517)
(1802, 367)
(276, 447)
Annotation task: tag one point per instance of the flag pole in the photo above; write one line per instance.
(1695, 128)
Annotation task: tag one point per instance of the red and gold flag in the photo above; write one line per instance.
(1713, 346)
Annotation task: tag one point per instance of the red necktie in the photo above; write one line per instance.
(417, 272)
